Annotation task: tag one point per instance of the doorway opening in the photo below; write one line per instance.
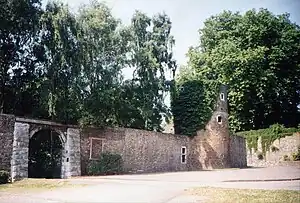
(45, 155)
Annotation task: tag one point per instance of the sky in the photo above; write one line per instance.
(187, 16)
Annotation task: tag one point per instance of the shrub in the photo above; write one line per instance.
(286, 158)
(108, 164)
(260, 156)
(274, 149)
(4, 177)
(296, 156)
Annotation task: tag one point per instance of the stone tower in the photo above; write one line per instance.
(212, 144)
(217, 131)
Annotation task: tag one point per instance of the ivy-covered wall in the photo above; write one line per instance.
(192, 105)
(265, 137)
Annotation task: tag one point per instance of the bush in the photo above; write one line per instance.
(4, 177)
(108, 164)
(260, 156)
(286, 158)
(296, 156)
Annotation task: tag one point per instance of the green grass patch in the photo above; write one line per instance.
(222, 195)
(37, 184)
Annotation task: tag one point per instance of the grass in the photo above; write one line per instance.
(37, 184)
(221, 195)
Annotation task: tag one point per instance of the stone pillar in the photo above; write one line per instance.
(19, 159)
(7, 124)
(73, 164)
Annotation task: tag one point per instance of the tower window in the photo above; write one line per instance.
(222, 96)
(183, 154)
(219, 119)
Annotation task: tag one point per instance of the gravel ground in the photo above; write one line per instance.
(163, 187)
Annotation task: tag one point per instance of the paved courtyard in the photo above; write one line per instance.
(163, 187)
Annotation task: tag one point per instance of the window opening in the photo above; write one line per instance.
(222, 96)
(183, 154)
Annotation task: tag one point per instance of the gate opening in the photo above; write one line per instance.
(45, 155)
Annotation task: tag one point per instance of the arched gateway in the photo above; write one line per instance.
(28, 138)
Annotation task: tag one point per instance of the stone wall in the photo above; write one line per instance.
(238, 152)
(284, 146)
(147, 151)
(6, 140)
(142, 151)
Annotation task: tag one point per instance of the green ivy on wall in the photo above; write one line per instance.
(268, 136)
(193, 102)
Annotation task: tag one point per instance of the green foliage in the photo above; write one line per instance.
(267, 135)
(67, 66)
(108, 164)
(4, 177)
(192, 105)
(19, 23)
(257, 55)
(296, 155)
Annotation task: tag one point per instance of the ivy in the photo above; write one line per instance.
(193, 102)
(267, 135)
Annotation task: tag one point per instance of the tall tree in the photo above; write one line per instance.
(60, 63)
(19, 22)
(151, 56)
(103, 44)
(257, 54)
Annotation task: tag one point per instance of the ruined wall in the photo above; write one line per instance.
(142, 151)
(238, 153)
(283, 146)
(7, 123)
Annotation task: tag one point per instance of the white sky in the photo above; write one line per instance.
(188, 16)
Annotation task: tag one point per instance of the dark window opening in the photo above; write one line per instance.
(45, 155)
(183, 159)
(219, 119)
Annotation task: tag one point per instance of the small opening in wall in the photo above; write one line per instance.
(67, 159)
(183, 154)
(222, 96)
(219, 119)
(183, 159)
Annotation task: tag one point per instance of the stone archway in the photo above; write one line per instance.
(25, 129)
(45, 156)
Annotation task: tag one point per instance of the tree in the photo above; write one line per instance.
(19, 23)
(60, 63)
(257, 54)
(150, 57)
(104, 45)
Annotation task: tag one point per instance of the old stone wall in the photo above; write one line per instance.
(278, 149)
(7, 123)
(142, 151)
(238, 154)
